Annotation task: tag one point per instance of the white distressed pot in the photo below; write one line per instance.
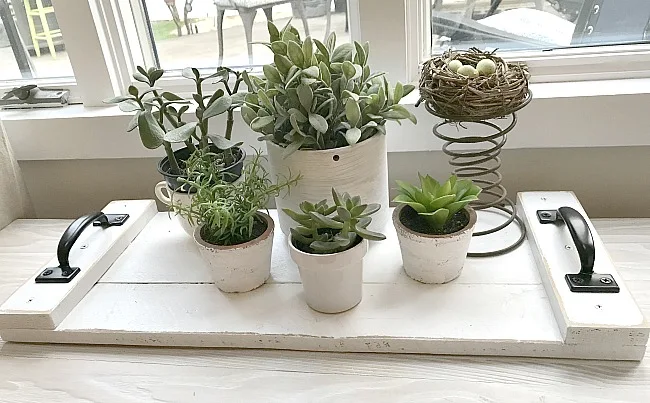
(332, 283)
(360, 169)
(166, 195)
(243, 267)
(433, 259)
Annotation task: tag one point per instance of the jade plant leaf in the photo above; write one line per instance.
(151, 133)
(219, 106)
(180, 134)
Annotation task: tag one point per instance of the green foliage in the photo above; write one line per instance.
(330, 229)
(319, 96)
(228, 211)
(436, 202)
(159, 115)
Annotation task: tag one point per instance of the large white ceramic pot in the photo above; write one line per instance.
(332, 283)
(433, 259)
(243, 267)
(360, 169)
(167, 196)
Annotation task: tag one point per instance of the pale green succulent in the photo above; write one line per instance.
(319, 96)
(437, 203)
(331, 229)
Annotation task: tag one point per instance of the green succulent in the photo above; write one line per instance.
(330, 229)
(437, 203)
(159, 115)
(316, 95)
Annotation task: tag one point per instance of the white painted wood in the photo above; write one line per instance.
(433, 259)
(501, 309)
(585, 318)
(361, 170)
(77, 373)
(239, 268)
(44, 306)
(332, 283)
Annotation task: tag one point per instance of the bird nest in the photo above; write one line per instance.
(455, 97)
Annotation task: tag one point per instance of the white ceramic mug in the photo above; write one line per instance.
(166, 195)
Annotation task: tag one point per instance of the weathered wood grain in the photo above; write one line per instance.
(63, 373)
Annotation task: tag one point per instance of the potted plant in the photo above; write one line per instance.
(321, 109)
(434, 227)
(328, 246)
(233, 235)
(160, 119)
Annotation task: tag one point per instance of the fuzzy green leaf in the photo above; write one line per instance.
(352, 112)
(274, 34)
(151, 133)
(294, 51)
(118, 99)
(343, 53)
(180, 134)
(219, 106)
(306, 96)
(312, 71)
(307, 51)
(223, 143)
(259, 123)
(353, 135)
(318, 122)
(272, 74)
(133, 123)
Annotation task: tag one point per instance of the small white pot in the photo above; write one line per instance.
(243, 267)
(166, 195)
(433, 259)
(360, 169)
(334, 282)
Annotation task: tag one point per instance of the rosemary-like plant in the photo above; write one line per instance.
(228, 211)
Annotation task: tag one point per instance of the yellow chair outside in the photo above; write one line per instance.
(46, 34)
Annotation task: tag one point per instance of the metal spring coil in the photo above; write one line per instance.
(482, 165)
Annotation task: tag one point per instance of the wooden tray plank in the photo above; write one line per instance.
(164, 253)
(582, 317)
(44, 306)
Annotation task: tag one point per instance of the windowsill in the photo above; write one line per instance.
(602, 113)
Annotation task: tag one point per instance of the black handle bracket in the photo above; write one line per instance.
(586, 280)
(64, 273)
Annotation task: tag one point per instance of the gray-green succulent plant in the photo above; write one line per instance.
(316, 95)
(159, 114)
(435, 202)
(330, 229)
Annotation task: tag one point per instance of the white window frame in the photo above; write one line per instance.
(555, 65)
(99, 35)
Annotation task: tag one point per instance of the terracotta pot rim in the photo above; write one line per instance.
(398, 224)
(270, 225)
(329, 150)
(362, 244)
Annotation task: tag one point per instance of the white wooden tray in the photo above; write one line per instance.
(159, 292)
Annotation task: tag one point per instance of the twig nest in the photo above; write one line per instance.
(473, 85)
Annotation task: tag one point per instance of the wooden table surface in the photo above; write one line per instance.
(66, 373)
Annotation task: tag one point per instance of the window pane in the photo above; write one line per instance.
(187, 33)
(537, 24)
(31, 45)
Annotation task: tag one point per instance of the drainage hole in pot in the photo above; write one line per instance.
(336, 157)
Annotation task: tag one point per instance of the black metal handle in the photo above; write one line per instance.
(71, 235)
(582, 238)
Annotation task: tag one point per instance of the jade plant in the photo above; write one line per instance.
(228, 211)
(159, 115)
(329, 229)
(437, 203)
(316, 95)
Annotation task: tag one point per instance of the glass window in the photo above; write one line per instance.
(31, 45)
(537, 24)
(208, 33)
